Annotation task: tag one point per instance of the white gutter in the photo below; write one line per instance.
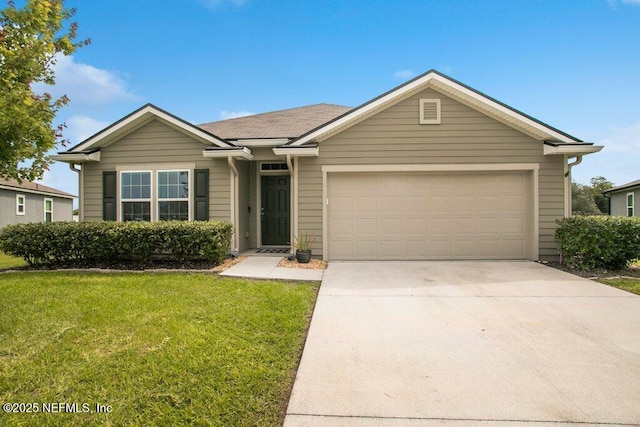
(568, 185)
(243, 153)
(311, 151)
(293, 190)
(77, 157)
(235, 208)
(571, 149)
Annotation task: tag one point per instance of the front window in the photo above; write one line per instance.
(630, 204)
(48, 210)
(135, 194)
(20, 202)
(173, 195)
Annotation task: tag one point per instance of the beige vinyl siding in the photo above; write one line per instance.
(465, 136)
(156, 143)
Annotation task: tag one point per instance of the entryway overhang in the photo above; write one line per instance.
(242, 153)
(298, 151)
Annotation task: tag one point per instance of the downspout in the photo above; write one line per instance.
(567, 176)
(235, 214)
(72, 166)
(293, 227)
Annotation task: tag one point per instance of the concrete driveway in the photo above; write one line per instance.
(467, 343)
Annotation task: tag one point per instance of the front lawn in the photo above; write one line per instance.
(8, 261)
(159, 349)
(627, 284)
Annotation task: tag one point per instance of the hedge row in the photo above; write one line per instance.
(588, 242)
(99, 243)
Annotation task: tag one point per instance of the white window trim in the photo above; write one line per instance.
(23, 204)
(188, 199)
(632, 205)
(45, 209)
(122, 200)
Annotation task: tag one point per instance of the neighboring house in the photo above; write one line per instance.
(432, 169)
(624, 199)
(32, 202)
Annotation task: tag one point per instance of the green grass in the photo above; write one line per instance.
(8, 261)
(626, 284)
(161, 349)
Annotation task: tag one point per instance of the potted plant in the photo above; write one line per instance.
(303, 244)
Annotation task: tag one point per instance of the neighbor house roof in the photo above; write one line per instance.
(289, 123)
(626, 186)
(33, 187)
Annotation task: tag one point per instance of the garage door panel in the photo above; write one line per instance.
(429, 215)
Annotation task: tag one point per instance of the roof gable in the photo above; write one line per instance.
(139, 118)
(449, 87)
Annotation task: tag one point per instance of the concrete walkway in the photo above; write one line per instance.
(266, 267)
(467, 343)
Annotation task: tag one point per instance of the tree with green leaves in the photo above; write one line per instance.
(30, 40)
(582, 200)
(598, 185)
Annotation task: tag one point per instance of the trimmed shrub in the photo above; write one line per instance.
(100, 243)
(589, 242)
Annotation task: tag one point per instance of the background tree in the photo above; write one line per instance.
(582, 200)
(30, 40)
(598, 185)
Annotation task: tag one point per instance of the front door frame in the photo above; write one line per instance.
(259, 174)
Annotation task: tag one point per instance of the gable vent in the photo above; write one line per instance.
(429, 111)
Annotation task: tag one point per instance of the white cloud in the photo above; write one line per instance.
(86, 85)
(623, 139)
(213, 4)
(614, 3)
(224, 115)
(80, 128)
(405, 74)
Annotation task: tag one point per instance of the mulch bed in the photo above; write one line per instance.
(632, 271)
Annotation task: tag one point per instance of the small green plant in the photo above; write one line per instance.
(304, 242)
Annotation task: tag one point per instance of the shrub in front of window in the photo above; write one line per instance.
(100, 243)
(590, 242)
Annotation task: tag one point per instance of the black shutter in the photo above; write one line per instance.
(109, 195)
(201, 195)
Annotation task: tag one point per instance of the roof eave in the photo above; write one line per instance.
(571, 149)
(298, 151)
(243, 153)
(68, 157)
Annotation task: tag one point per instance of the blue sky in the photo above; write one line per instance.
(574, 64)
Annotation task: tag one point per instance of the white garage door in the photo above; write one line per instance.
(428, 216)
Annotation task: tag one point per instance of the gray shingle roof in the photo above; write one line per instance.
(623, 186)
(33, 186)
(289, 123)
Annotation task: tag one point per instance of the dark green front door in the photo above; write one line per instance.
(275, 210)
